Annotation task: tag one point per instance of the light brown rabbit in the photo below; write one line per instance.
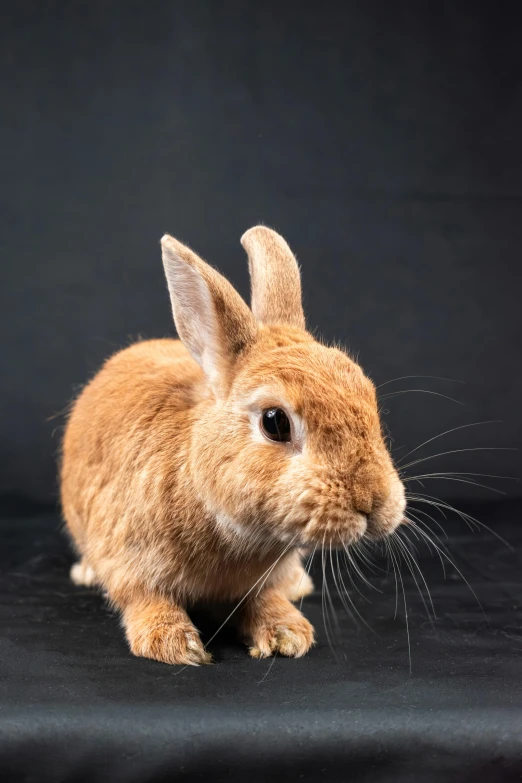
(196, 470)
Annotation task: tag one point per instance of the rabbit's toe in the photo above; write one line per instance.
(292, 639)
(174, 644)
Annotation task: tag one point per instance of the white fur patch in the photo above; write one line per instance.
(83, 574)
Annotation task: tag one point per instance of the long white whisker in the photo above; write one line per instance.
(359, 550)
(445, 477)
(425, 514)
(348, 596)
(447, 432)
(452, 563)
(413, 564)
(404, 600)
(389, 553)
(328, 593)
(404, 377)
(457, 451)
(426, 527)
(441, 505)
(326, 618)
(358, 570)
(464, 473)
(350, 577)
(420, 391)
(338, 581)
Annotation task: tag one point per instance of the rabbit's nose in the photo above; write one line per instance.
(388, 513)
(362, 498)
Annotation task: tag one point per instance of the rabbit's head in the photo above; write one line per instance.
(287, 445)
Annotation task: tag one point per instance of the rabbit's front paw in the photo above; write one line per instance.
(292, 638)
(171, 643)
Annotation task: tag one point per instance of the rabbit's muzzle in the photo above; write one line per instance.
(339, 512)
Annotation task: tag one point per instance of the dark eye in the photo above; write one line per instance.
(276, 424)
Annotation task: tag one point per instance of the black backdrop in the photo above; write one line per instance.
(382, 139)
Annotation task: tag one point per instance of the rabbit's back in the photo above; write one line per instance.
(127, 433)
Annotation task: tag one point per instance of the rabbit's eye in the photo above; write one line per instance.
(276, 424)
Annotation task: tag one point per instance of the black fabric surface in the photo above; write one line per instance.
(75, 706)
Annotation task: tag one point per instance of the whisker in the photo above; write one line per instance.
(358, 570)
(390, 556)
(338, 581)
(349, 598)
(349, 573)
(416, 536)
(328, 593)
(412, 563)
(404, 377)
(340, 593)
(447, 432)
(458, 451)
(359, 550)
(335, 582)
(415, 523)
(465, 473)
(446, 477)
(391, 541)
(425, 514)
(416, 531)
(420, 391)
(441, 505)
(426, 527)
(326, 618)
(452, 563)
(413, 497)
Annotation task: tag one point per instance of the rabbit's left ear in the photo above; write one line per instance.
(212, 320)
(275, 278)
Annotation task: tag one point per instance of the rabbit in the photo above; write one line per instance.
(200, 469)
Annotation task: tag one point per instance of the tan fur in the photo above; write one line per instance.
(172, 494)
(276, 287)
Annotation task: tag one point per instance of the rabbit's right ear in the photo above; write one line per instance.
(275, 278)
(212, 320)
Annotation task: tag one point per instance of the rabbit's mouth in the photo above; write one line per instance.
(336, 528)
(337, 533)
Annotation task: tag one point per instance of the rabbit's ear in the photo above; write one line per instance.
(212, 320)
(275, 278)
